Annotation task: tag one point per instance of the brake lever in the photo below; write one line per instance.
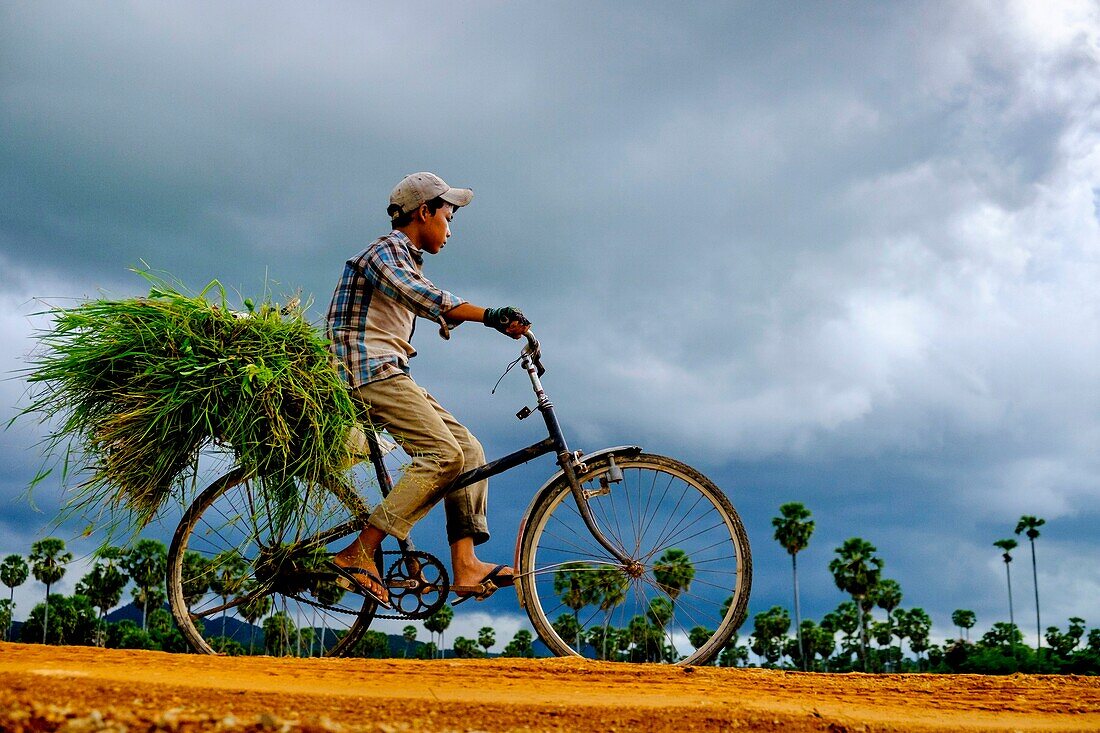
(535, 355)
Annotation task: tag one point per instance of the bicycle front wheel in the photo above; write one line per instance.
(237, 558)
(682, 599)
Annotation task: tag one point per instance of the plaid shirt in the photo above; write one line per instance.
(373, 312)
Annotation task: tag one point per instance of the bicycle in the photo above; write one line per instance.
(643, 544)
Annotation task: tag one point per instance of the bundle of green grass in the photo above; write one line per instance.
(138, 388)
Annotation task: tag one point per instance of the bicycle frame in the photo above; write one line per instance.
(530, 360)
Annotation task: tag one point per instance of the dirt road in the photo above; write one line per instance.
(82, 689)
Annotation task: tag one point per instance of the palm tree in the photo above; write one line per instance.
(565, 626)
(659, 612)
(13, 573)
(48, 559)
(699, 635)
(520, 645)
(196, 577)
(769, 627)
(638, 633)
(888, 597)
(609, 586)
(432, 625)
(328, 594)
(793, 529)
(277, 630)
(919, 624)
(902, 628)
(438, 622)
(254, 610)
(229, 575)
(844, 619)
(964, 619)
(674, 572)
(883, 634)
(486, 637)
(1008, 545)
(573, 583)
(409, 632)
(103, 588)
(856, 570)
(147, 563)
(1031, 525)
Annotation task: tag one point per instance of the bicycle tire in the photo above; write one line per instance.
(226, 517)
(556, 547)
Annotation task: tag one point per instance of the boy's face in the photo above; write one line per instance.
(436, 228)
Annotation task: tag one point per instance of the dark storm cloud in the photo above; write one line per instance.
(839, 254)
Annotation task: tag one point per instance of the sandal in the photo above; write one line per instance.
(490, 584)
(346, 579)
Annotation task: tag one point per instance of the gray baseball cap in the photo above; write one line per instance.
(420, 188)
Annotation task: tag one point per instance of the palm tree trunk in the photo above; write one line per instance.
(1011, 616)
(797, 611)
(46, 615)
(890, 647)
(606, 626)
(862, 633)
(144, 610)
(1038, 626)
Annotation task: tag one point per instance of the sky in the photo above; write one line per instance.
(841, 254)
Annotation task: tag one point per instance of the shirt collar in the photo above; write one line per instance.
(416, 254)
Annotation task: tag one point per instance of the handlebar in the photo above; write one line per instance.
(533, 351)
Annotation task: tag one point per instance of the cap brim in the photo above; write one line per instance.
(457, 196)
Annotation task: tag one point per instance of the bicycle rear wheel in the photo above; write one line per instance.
(235, 558)
(683, 600)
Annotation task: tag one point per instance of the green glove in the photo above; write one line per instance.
(501, 318)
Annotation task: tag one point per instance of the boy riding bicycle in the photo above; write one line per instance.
(371, 321)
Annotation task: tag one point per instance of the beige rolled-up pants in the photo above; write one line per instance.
(440, 447)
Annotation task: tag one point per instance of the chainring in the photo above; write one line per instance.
(418, 585)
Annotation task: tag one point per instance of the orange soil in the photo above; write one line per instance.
(84, 689)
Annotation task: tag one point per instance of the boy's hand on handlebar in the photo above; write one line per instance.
(509, 320)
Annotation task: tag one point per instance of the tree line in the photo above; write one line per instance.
(80, 618)
(848, 638)
(867, 644)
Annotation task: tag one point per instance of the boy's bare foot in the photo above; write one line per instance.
(475, 572)
(365, 572)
